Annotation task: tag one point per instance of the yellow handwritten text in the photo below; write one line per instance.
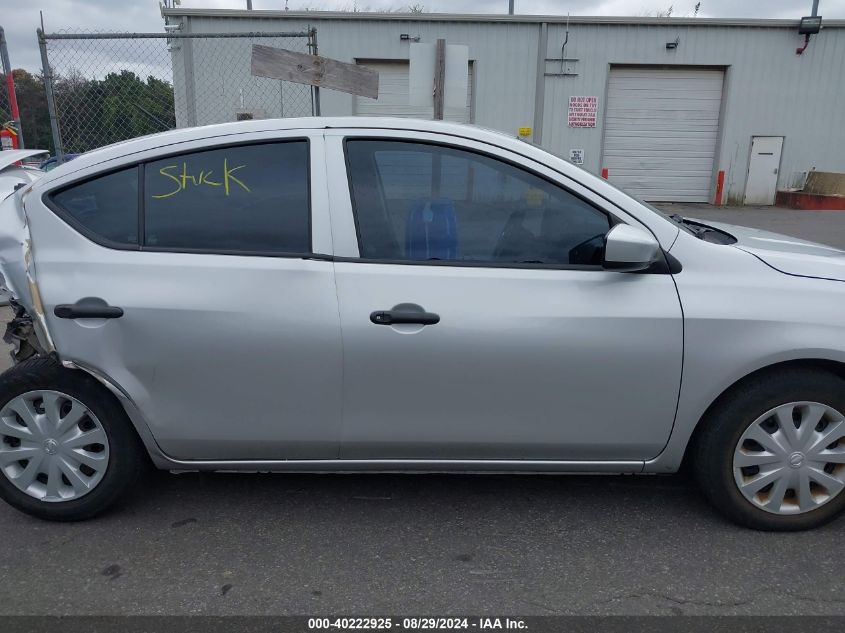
(181, 181)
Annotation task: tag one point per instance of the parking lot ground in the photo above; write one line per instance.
(425, 544)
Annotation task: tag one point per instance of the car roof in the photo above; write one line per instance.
(181, 135)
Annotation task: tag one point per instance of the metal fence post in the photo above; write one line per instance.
(190, 86)
(10, 82)
(51, 102)
(315, 99)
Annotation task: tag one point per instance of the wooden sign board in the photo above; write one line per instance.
(313, 70)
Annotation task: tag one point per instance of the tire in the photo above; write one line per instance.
(765, 403)
(123, 451)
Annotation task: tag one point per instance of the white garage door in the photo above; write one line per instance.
(393, 96)
(660, 132)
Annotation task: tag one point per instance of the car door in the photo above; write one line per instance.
(478, 323)
(229, 339)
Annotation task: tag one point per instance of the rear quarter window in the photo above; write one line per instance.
(105, 206)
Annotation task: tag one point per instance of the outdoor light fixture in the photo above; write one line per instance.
(404, 37)
(673, 45)
(809, 25)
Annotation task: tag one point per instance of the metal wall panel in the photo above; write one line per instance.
(768, 90)
(507, 101)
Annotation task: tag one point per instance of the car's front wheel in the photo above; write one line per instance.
(771, 455)
(67, 450)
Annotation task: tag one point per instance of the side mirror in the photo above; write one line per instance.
(629, 248)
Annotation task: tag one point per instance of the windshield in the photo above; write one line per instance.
(697, 229)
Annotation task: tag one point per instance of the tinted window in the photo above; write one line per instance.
(427, 202)
(249, 198)
(106, 206)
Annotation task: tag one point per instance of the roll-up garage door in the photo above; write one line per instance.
(393, 95)
(661, 127)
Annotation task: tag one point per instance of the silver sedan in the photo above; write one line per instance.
(390, 295)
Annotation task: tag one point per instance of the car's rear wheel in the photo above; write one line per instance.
(67, 450)
(771, 455)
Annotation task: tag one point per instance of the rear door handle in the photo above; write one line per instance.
(88, 308)
(397, 317)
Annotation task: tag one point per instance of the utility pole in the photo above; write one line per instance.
(815, 11)
(249, 5)
(10, 84)
(510, 6)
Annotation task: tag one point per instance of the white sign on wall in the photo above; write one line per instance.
(421, 75)
(576, 156)
(582, 111)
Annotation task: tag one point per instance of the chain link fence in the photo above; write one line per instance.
(108, 87)
(5, 107)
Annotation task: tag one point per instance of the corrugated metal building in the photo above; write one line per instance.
(728, 96)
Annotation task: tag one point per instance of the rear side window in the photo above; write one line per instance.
(250, 198)
(106, 206)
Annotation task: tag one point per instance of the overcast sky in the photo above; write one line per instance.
(20, 17)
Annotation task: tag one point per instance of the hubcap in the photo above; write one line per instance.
(52, 447)
(791, 459)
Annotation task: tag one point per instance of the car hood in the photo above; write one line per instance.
(790, 255)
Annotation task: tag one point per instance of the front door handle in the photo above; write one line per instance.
(88, 308)
(404, 313)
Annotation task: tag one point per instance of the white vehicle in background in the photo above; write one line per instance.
(14, 170)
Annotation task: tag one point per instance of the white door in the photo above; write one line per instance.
(763, 170)
(661, 128)
(393, 95)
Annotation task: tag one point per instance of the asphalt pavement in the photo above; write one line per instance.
(427, 544)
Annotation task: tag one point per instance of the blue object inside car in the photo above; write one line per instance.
(431, 231)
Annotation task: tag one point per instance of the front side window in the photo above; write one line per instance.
(248, 198)
(106, 206)
(425, 202)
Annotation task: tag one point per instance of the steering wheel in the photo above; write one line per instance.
(513, 233)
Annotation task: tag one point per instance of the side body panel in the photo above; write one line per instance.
(524, 364)
(741, 315)
(225, 356)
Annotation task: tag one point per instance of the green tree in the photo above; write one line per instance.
(96, 112)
